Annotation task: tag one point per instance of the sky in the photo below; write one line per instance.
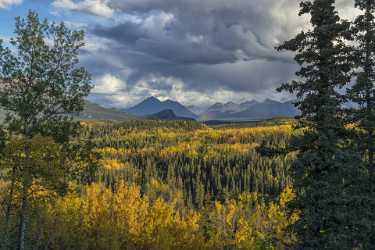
(197, 52)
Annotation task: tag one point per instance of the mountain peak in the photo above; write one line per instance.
(170, 101)
(249, 102)
(152, 105)
(217, 105)
(268, 100)
(152, 99)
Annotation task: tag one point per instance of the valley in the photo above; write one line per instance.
(148, 125)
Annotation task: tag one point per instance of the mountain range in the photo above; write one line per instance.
(251, 110)
(152, 108)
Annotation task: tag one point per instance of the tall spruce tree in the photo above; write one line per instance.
(326, 173)
(363, 94)
(363, 91)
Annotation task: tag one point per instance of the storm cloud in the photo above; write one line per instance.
(195, 51)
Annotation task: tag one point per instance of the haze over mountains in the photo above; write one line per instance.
(153, 108)
(93, 111)
(251, 110)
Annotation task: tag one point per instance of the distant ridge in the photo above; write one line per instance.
(152, 108)
(93, 111)
(251, 110)
(152, 105)
(167, 114)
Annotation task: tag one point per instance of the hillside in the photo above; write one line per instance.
(167, 114)
(94, 111)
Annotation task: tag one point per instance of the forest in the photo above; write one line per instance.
(165, 185)
(304, 183)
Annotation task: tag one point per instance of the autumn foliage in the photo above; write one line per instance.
(152, 191)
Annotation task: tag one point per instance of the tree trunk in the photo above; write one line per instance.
(5, 240)
(368, 70)
(23, 218)
(9, 207)
(371, 155)
(27, 181)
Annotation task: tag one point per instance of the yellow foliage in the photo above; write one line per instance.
(218, 150)
(97, 218)
(250, 223)
(190, 149)
(120, 216)
(101, 219)
(112, 164)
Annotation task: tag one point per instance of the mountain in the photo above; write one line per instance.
(153, 105)
(167, 114)
(249, 104)
(229, 107)
(251, 110)
(197, 109)
(93, 111)
(269, 109)
(221, 110)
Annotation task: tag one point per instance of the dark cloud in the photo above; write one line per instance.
(205, 45)
(207, 32)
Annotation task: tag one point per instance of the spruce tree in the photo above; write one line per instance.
(362, 93)
(326, 173)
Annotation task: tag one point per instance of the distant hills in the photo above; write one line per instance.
(167, 114)
(93, 111)
(152, 108)
(153, 105)
(251, 110)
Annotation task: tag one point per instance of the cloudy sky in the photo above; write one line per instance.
(197, 52)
